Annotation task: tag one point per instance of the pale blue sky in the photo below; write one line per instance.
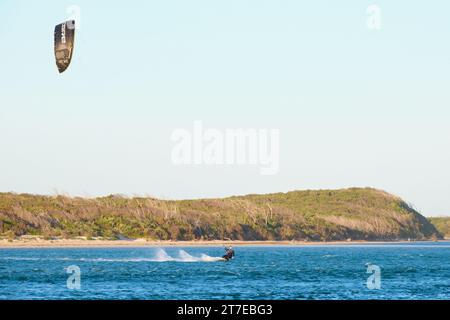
(354, 107)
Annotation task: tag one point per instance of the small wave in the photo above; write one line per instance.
(20, 259)
(117, 260)
(160, 256)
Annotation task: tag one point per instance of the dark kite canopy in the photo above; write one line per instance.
(64, 44)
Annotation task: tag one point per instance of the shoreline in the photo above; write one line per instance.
(81, 243)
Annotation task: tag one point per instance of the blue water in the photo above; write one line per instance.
(408, 271)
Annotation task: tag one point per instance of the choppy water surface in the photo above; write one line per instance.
(408, 271)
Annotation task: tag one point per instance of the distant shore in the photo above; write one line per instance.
(82, 243)
(355, 213)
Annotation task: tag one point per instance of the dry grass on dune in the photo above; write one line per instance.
(323, 215)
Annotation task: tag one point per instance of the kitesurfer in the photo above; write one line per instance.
(229, 253)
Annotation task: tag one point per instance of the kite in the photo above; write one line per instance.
(64, 44)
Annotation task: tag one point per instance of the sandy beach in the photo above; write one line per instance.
(84, 243)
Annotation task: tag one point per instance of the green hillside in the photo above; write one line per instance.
(442, 224)
(358, 214)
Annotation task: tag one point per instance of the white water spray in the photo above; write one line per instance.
(183, 256)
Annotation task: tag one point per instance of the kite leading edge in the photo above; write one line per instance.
(64, 44)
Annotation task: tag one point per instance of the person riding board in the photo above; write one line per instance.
(229, 253)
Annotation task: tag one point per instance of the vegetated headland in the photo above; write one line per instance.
(442, 224)
(357, 214)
